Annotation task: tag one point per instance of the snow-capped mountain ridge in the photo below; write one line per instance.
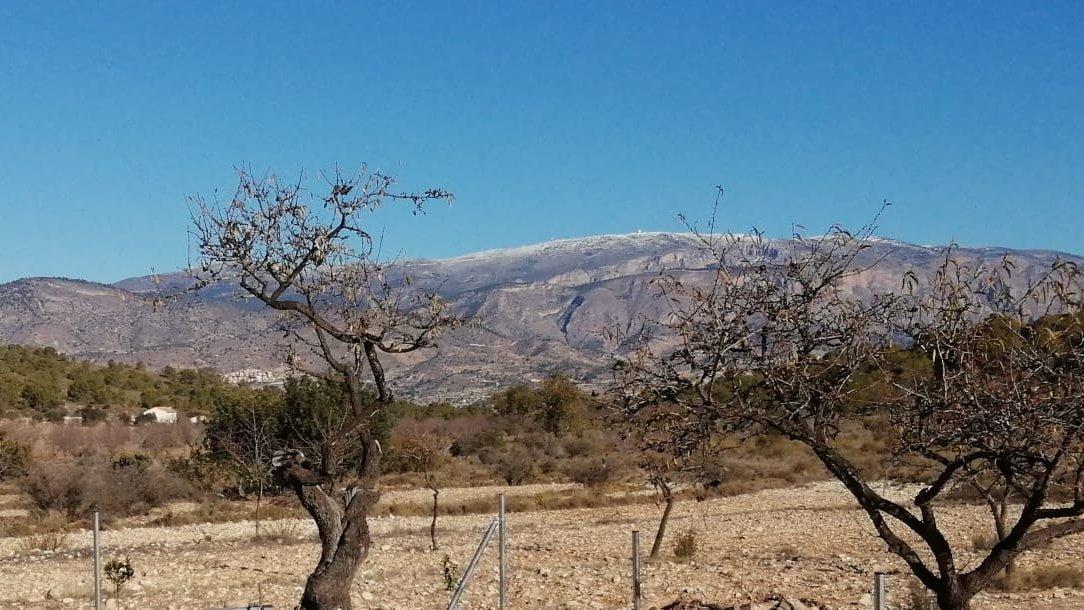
(538, 308)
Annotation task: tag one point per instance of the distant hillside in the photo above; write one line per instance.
(540, 310)
(39, 380)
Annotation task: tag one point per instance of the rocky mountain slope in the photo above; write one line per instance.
(538, 309)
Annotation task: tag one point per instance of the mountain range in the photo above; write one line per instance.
(536, 310)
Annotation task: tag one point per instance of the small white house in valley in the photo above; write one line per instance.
(160, 415)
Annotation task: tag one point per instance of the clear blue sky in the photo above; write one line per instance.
(546, 119)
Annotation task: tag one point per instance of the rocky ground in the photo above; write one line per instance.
(801, 543)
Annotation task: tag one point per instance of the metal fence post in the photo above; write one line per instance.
(459, 590)
(880, 591)
(502, 566)
(97, 565)
(637, 595)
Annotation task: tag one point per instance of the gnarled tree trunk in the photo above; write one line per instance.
(952, 596)
(344, 536)
(433, 523)
(668, 499)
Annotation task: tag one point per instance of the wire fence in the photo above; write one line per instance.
(496, 527)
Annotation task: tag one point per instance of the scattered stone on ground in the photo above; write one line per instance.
(808, 543)
(773, 602)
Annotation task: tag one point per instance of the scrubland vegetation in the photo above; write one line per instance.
(552, 432)
(43, 384)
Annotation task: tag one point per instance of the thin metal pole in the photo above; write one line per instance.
(486, 536)
(502, 566)
(637, 595)
(97, 566)
(880, 592)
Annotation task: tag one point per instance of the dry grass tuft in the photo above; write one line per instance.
(685, 545)
(788, 551)
(287, 531)
(50, 541)
(983, 542)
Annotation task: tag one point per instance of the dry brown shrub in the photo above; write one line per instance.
(76, 441)
(168, 439)
(1041, 578)
(45, 541)
(44, 533)
(55, 486)
(34, 524)
(116, 488)
(685, 545)
(592, 443)
(456, 427)
(515, 464)
(592, 471)
(52, 441)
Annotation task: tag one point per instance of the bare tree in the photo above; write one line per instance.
(426, 453)
(996, 401)
(661, 476)
(244, 432)
(780, 342)
(311, 257)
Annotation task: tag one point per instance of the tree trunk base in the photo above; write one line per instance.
(317, 597)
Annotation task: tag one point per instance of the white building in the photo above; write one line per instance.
(161, 415)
